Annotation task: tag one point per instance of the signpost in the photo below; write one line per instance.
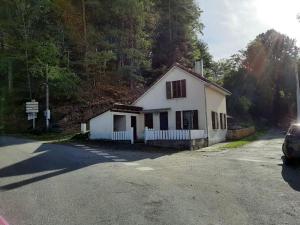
(32, 108)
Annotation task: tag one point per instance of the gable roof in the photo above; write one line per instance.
(190, 72)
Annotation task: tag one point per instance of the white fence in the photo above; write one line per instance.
(151, 134)
(123, 136)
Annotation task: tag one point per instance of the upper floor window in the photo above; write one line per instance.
(176, 89)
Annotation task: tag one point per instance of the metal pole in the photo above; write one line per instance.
(47, 99)
(33, 123)
(298, 91)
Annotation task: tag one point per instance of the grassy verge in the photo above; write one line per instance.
(244, 141)
(47, 136)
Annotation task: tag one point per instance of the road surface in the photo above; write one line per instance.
(54, 184)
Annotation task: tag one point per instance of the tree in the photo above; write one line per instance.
(265, 76)
(176, 30)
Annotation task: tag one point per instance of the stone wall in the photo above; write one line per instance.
(180, 144)
(240, 133)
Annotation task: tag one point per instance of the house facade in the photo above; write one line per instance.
(180, 108)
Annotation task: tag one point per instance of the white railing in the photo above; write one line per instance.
(123, 136)
(151, 134)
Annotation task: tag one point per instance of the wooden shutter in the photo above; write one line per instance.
(174, 89)
(213, 120)
(183, 88)
(225, 121)
(217, 120)
(178, 120)
(195, 120)
(168, 90)
(221, 121)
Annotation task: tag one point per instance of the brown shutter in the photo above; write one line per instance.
(168, 90)
(183, 88)
(178, 120)
(174, 89)
(195, 120)
(213, 120)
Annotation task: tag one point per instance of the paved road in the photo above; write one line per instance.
(55, 184)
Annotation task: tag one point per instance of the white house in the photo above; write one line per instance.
(182, 108)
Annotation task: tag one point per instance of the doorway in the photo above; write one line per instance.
(163, 119)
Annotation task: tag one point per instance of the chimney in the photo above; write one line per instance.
(199, 67)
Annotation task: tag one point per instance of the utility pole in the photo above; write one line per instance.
(47, 113)
(298, 90)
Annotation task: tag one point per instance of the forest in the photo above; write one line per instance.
(93, 53)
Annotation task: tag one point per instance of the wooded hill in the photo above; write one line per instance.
(97, 52)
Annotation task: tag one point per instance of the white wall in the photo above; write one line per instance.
(215, 102)
(156, 98)
(101, 127)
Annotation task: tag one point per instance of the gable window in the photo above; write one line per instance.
(149, 120)
(176, 89)
(214, 120)
(187, 120)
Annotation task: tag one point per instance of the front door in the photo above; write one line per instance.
(163, 119)
(133, 124)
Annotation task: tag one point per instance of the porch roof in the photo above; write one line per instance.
(155, 110)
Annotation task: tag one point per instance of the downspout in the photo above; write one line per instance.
(206, 115)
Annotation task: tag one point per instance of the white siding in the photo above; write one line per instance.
(215, 102)
(155, 98)
(101, 127)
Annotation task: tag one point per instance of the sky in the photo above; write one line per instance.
(231, 24)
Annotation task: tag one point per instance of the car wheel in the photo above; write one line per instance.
(287, 161)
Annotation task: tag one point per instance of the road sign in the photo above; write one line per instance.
(31, 116)
(47, 114)
(32, 107)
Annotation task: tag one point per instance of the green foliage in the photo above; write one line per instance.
(262, 78)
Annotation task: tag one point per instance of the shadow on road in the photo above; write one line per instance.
(291, 175)
(54, 159)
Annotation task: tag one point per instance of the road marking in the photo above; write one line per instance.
(119, 160)
(109, 156)
(131, 164)
(79, 145)
(94, 151)
(144, 168)
(102, 154)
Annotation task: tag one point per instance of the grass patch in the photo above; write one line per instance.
(244, 141)
(50, 136)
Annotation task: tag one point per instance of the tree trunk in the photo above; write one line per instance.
(10, 77)
(84, 34)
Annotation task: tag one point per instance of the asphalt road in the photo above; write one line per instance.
(55, 184)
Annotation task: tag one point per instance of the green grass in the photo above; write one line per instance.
(51, 136)
(244, 141)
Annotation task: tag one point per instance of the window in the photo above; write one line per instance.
(187, 120)
(176, 89)
(215, 120)
(149, 120)
(223, 120)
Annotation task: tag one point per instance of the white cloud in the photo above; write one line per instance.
(231, 24)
